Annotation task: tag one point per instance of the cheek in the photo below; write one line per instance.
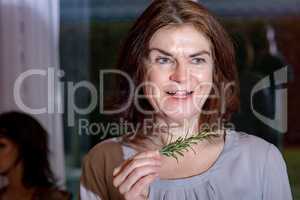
(204, 77)
(155, 82)
(8, 157)
(153, 88)
(203, 88)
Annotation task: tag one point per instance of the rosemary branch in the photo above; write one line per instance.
(182, 144)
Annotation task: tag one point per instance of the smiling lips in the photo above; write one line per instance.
(180, 94)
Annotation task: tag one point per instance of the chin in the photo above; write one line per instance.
(181, 118)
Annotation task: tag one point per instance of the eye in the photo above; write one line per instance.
(163, 60)
(198, 60)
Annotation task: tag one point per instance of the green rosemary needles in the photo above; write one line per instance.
(182, 144)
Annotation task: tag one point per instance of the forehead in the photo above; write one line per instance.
(180, 38)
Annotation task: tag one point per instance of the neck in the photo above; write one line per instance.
(175, 130)
(14, 177)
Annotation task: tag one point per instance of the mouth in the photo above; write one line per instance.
(180, 94)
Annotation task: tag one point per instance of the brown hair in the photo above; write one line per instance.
(32, 142)
(177, 12)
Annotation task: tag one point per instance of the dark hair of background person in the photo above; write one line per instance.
(135, 50)
(32, 142)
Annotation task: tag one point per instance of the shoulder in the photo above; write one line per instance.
(113, 149)
(105, 149)
(97, 169)
(52, 194)
(253, 148)
(254, 155)
(247, 143)
(104, 156)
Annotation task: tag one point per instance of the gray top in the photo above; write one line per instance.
(248, 168)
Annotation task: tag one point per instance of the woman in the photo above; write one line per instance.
(182, 62)
(24, 160)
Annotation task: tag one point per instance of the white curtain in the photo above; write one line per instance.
(29, 36)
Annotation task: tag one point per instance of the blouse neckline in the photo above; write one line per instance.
(181, 182)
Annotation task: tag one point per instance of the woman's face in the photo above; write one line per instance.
(8, 154)
(179, 72)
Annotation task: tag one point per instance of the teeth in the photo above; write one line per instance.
(180, 92)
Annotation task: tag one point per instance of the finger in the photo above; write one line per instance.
(135, 176)
(135, 163)
(119, 168)
(141, 186)
(148, 154)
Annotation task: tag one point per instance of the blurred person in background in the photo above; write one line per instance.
(24, 160)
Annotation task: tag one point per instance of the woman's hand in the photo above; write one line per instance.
(133, 176)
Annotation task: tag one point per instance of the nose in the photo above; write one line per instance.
(179, 74)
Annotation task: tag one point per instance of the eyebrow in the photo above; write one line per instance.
(169, 54)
